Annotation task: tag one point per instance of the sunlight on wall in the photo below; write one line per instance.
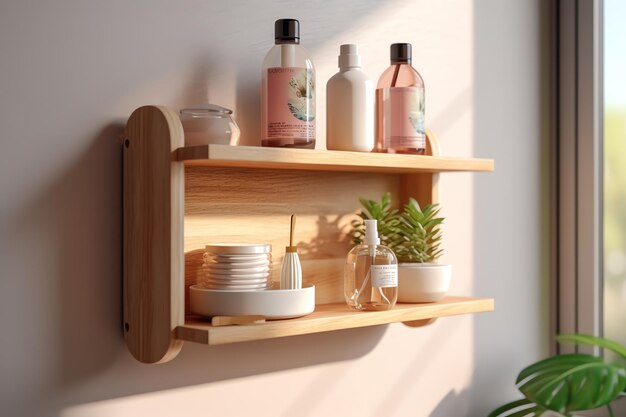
(409, 369)
(90, 64)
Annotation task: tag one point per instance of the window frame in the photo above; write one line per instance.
(577, 150)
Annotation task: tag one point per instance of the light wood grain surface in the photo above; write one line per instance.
(153, 234)
(329, 317)
(247, 195)
(254, 206)
(322, 160)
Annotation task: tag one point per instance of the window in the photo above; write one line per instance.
(614, 213)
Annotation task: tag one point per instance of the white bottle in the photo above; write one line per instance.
(350, 105)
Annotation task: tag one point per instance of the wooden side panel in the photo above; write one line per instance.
(153, 234)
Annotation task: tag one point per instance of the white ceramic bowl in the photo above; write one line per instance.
(236, 271)
(238, 249)
(423, 283)
(236, 258)
(227, 262)
(237, 276)
(235, 265)
(237, 281)
(226, 287)
(273, 304)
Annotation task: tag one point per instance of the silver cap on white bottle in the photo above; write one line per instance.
(349, 56)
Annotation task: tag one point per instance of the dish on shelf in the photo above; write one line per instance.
(263, 263)
(235, 287)
(251, 281)
(234, 266)
(237, 250)
(236, 271)
(238, 276)
(273, 304)
(228, 257)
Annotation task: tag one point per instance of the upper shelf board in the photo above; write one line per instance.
(319, 160)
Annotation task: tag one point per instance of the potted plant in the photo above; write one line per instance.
(415, 237)
(572, 382)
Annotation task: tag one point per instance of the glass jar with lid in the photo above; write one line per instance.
(209, 124)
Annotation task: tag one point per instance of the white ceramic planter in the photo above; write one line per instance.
(423, 283)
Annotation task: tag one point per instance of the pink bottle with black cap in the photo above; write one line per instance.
(288, 91)
(400, 106)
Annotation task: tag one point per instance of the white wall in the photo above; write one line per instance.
(70, 74)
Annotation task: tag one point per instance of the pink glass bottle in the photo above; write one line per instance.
(288, 91)
(400, 105)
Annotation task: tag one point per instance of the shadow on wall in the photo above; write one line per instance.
(520, 319)
(89, 290)
(83, 206)
(198, 85)
(81, 211)
(450, 404)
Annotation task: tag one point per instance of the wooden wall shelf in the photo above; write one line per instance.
(177, 199)
(329, 317)
(319, 160)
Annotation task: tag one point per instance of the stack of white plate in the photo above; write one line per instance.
(235, 267)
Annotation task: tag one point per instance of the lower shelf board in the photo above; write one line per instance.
(329, 317)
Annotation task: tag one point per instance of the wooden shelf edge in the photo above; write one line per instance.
(320, 160)
(329, 317)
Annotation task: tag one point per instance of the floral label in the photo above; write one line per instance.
(291, 103)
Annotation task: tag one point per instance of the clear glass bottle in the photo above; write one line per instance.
(288, 91)
(400, 107)
(371, 274)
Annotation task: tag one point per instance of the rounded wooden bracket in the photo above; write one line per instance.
(419, 323)
(432, 144)
(153, 234)
(424, 187)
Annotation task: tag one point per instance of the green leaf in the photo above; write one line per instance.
(387, 219)
(414, 235)
(519, 408)
(572, 382)
(565, 361)
(586, 339)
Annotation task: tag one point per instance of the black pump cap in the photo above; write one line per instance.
(286, 31)
(400, 53)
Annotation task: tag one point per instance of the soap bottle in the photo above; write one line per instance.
(350, 105)
(371, 274)
(400, 105)
(288, 91)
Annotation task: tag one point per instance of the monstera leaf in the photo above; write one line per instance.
(519, 408)
(572, 382)
(585, 339)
